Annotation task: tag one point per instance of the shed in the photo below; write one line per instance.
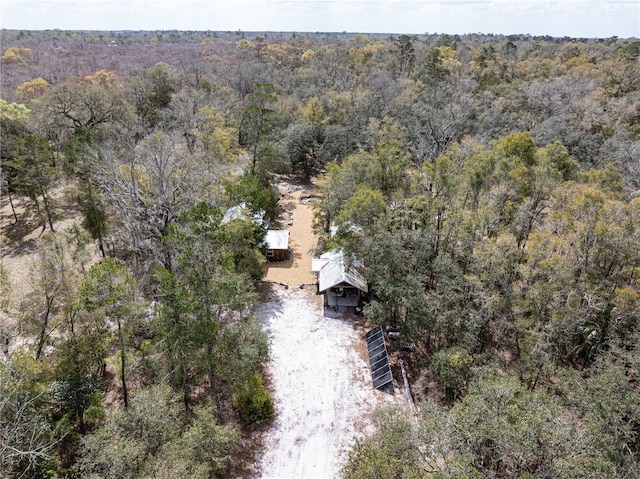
(340, 283)
(277, 245)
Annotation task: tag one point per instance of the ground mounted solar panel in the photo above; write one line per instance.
(378, 358)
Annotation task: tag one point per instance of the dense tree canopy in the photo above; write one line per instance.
(487, 184)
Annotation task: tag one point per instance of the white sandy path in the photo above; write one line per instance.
(323, 393)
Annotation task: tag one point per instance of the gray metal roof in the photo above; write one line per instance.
(337, 272)
(318, 263)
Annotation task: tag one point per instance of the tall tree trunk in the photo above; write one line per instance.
(101, 227)
(45, 324)
(47, 209)
(255, 155)
(211, 375)
(13, 209)
(101, 245)
(185, 390)
(81, 425)
(123, 365)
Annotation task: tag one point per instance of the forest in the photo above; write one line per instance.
(489, 186)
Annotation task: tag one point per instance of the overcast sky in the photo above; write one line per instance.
(573, 18)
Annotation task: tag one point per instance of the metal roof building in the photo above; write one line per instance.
(277, 245)
(339, 281)
(277, 239)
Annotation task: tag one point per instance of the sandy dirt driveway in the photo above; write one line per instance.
(302, 240)
(322, 387)
(318, 367)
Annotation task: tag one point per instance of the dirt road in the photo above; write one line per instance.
(296, 270)
(319, 372)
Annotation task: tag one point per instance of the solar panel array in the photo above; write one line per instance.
(378, 358)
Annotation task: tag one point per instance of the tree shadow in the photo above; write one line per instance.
(286, 264)
(15, 230)
(269, 297)
(346, 314)
(15, 233)
(14, 243)
(16, 250)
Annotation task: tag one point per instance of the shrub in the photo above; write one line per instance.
(453, 368)
(253, 401)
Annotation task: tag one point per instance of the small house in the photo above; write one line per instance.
(339, 281)
(277, 245)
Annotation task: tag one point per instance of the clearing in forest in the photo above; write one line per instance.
(297, 269)
(318, 368)
(321, 386)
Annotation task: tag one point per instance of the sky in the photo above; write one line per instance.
(558, 18)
